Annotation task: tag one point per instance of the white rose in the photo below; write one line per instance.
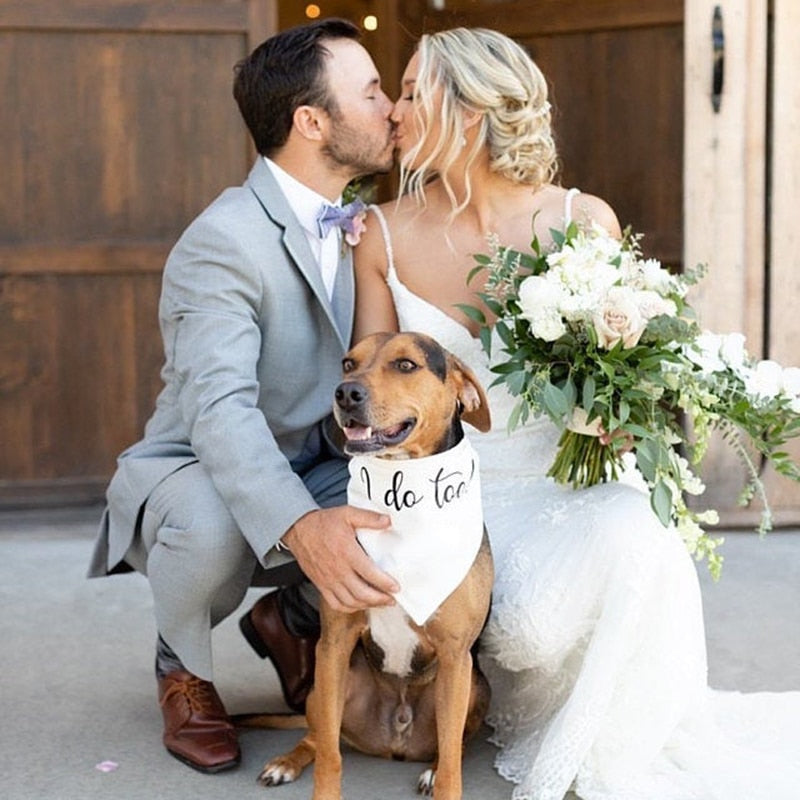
(652, 304)
(548, 326)
(704, 352)
(764, 382)
(539, 304)
(656, 278)
(537, 292)
(790, 381)
(619, 318)
(577, 308)
(581, 270)
(732, 351)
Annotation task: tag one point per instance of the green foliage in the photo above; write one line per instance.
(650, 389)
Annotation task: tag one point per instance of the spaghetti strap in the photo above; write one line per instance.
(571, 193)
(387, 239)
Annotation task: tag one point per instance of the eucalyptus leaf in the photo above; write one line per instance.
(646, 460)
(589, 385)
(475, 314)
(661, 501)
(486, 340)
(554, 401)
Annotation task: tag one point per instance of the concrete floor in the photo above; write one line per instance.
(77, 672)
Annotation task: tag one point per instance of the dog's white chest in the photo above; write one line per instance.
(390, 630)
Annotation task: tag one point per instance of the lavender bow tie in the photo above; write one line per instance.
(342, 216)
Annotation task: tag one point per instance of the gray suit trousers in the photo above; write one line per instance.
(197, 561)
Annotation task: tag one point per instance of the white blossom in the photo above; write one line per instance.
(539, 300)
(705, 352)
(764, 381)
(651, 304)
(732, 350)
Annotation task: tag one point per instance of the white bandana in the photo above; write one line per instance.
(437, 521)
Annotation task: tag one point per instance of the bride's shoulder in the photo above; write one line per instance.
(589, 208)
(382, 227)
(373, 247)
(555, 203)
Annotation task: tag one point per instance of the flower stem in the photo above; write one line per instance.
(584, 461)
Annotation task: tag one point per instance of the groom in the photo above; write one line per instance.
(235, 481)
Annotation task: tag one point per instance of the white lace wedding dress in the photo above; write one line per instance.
(595, 647)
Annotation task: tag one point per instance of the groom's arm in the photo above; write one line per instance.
(211, 313)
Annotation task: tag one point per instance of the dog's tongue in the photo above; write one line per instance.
(357, 433)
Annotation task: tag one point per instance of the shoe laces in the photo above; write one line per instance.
(199, 694)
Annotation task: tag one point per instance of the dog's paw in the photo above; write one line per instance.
(279, 770)
(426, 781)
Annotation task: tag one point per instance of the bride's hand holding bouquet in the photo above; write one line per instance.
(604, 342)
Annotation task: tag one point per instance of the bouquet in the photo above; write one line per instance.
(604, 342)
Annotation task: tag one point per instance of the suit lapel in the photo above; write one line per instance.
(272, 200)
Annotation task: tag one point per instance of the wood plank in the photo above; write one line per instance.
(724, 191)
(784, 253)
(724, 167)
(545, 17)
(114, 142)
(79, 371)
(84, 258)
(95, 126)
(262, 21)
(107, 15)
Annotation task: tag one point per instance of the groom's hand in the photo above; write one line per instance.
(325, 546)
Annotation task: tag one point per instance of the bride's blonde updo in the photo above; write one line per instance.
(480, 71)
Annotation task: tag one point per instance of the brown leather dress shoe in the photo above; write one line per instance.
(292, 656)
(197, 729)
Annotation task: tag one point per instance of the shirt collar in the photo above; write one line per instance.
(304, 201)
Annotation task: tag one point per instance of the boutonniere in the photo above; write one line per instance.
(360, 191)
(353, 230)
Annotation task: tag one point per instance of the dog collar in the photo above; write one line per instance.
(437, 521)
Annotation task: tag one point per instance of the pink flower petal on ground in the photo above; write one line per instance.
(106, 766)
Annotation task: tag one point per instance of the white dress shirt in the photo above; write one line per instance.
(306, 205)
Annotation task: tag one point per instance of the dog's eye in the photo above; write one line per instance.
(348, 365)
(405, 365)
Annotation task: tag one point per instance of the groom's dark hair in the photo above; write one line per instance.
(282, 73)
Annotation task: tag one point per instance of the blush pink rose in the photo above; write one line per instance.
(353, 237)
(619, 319)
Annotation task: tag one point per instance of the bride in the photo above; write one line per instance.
(595, 647)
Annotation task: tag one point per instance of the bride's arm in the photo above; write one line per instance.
(374, 304)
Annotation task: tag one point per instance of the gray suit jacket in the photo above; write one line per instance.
(253, 353)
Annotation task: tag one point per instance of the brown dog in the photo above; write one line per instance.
(389, 686)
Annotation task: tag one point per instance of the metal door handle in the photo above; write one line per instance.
(718, 62)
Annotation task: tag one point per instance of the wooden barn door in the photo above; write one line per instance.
(742, 181)
(118, 126)
(783, 241)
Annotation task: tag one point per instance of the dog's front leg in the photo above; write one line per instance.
(339, 635)
(453, 685)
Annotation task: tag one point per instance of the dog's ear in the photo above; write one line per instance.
(471, 395)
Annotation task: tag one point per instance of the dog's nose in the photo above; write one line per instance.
(350, 394)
